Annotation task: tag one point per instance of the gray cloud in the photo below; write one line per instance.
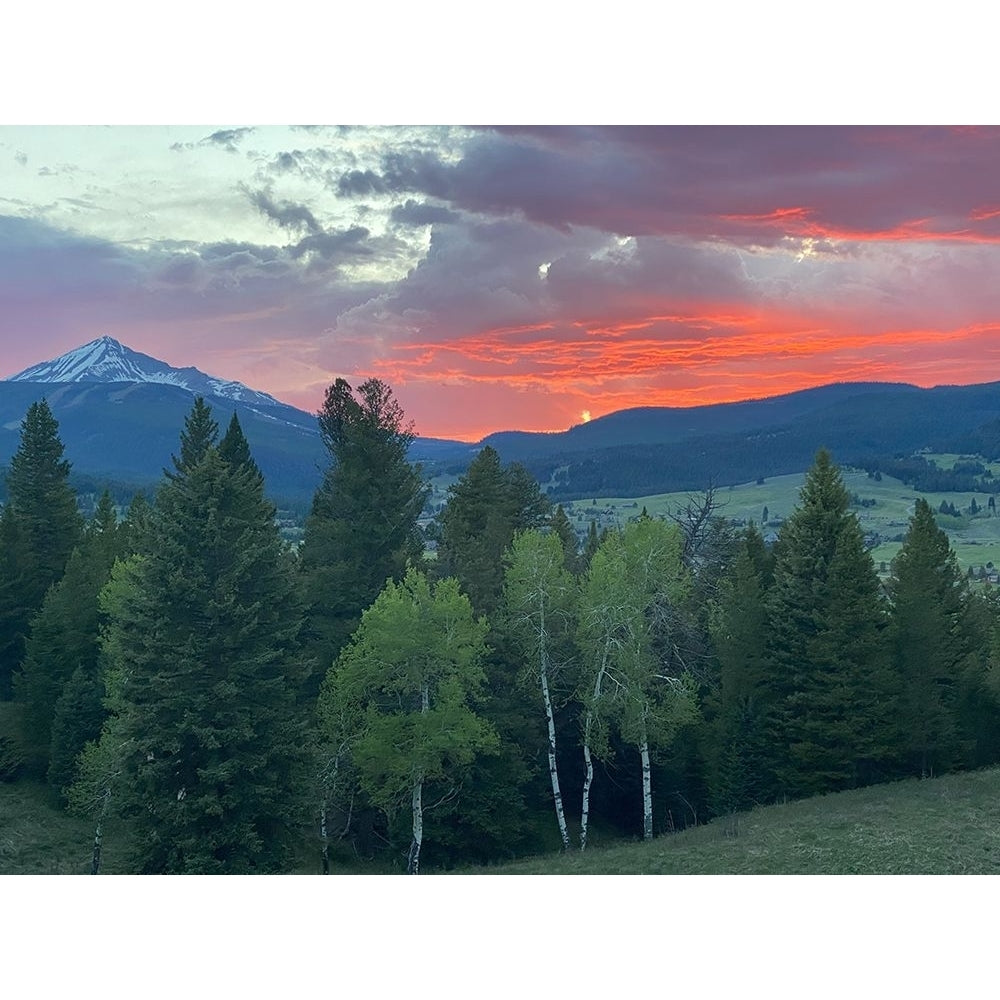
(414, 213)
(21, 158)
(286, 214)
(227, 138)
(333, 245)
(361, 182)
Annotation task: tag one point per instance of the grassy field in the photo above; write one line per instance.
(946, 826)
(976, 540)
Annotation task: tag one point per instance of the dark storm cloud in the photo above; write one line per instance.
(415, 213)
(751, 185)
(355, 183)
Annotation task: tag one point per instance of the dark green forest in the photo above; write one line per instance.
(392, 699)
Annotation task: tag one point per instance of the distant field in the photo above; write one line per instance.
(943, 826)
(976, 540)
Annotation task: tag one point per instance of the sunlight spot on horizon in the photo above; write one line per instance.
(585, 416)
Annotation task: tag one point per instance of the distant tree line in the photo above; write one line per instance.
(924, 474)
(234, 704)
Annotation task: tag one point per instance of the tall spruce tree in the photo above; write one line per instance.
(362, 528)
(933, 643)
(206, 635)
(738, 625)
(829, 658)
(15, 611)
(46, 528)
(63, 647)
(485, 509)
(79, 710)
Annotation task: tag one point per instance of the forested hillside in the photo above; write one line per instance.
(394, 699)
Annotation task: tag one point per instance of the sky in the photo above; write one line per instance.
(509, 277)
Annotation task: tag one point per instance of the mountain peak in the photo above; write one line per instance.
(108, 360)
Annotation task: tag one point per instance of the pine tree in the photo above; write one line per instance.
(42, 503)
(933, 643)
(738, 625)
(14, 609)
(205, 634)
(828, 656)
(362, 528)
(485, 509)
(234, 448)
(64, 637)
(199, 434)
(79, 711)
(560, 524)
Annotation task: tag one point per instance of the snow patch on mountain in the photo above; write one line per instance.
(107, 360)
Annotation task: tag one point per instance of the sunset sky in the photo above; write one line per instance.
(509, 277)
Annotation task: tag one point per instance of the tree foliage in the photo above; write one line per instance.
(407, 679)
(485, 509)
(204, 639)
(362, 528)
(829, 658)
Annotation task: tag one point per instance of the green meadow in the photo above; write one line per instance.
(939, 826)
(975, 539)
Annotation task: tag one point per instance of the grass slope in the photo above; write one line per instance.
(942, 826)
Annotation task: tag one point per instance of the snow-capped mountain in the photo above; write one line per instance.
(107, 360)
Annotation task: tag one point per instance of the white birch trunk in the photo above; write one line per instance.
(543, 677)
(417, 805)
(413, 863)
(588, 779)
(647, 791)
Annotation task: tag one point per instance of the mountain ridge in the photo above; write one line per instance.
(108, 360)
(121, 412)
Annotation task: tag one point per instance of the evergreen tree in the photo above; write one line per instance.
(828, 659)
(14, 608)
(590, 547)
(206, 636)
(933, 643)
(485, 509)
(739, 631)
(43, 506)
(63, 644)
(79, 710)
(362, 528)
(132, 530)
(411, 670)
(559, 523)
(234, 448)
(199, 434)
